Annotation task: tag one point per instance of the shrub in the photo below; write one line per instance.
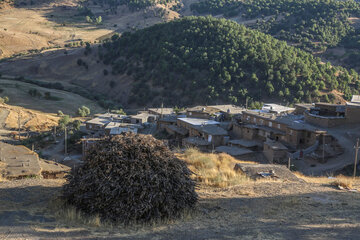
(83, 111)
(131, 178)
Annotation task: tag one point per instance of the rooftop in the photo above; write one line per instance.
(233, 151)
(211, 129)
(275, 145)
(99, 121)
(292, 121)
(179, 130)
(204, 109)
(276, 108)
(111, 115)
(355, 99)
(232, 109)
(244, 143)
(122, 125)
(164, 111)
(198, 121)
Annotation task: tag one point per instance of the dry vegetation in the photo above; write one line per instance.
(30, 119)
(216, 170)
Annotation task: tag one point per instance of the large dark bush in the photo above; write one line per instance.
(131, 178)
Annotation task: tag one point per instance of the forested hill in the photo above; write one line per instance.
(197, 60)
(311, 24)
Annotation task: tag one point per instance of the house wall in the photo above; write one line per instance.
(324, 121)
(352, 114)
(203, 115)
(91, 126)
(275, 156)
(237, 131)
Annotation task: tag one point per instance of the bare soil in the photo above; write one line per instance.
(252, 210)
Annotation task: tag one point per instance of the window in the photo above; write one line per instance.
(270, 124)
(279, 126)
(291, 132)
(254, 120)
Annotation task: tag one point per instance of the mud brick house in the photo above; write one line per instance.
(165, 121)
(275, 152)
(203, 129)
(292, 132)
(116, 128)
(161, 111)
(276, 108)
(102, 120)
(143, 117)
(203, 112)
(333, 115)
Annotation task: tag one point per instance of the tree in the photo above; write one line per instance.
(120, 111)
(64, 121)
(6, 99)
(83, 111)
(76, 125)
(98, 20)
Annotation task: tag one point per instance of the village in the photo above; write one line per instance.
(315, 139)
(307, 137)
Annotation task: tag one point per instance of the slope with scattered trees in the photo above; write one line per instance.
(313, 24)
(209, 60)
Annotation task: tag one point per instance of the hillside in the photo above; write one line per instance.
(311, 25)
(209, 60)
(34, 26)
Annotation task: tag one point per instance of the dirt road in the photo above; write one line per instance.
(346, 137)
(257, 210)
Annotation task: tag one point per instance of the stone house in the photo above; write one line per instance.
(275, 152)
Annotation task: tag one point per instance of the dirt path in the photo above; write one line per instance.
(346, 137)
(264, 210)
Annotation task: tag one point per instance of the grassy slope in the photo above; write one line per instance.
(67, 102)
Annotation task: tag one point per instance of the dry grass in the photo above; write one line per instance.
(70, 215)
(340, 180)
(216, 170)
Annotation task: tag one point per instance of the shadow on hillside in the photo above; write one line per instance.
(325, 215)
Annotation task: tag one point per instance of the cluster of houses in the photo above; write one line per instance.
(275, 131)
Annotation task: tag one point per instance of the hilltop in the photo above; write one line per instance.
(208, 60)
(325, 28)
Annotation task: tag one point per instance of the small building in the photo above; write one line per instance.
(275, 152)
(197, 142)
(291, 130)
(161, 111)
(355, 99)
(165, 121)
(115, 128)
(276, 108)
(102, 120)
(301, 108)
(143, 117)
(203, 112)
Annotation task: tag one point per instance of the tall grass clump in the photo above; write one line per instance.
(216, 170)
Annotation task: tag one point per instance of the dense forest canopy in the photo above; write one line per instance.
(315, 24)
(210, 60)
